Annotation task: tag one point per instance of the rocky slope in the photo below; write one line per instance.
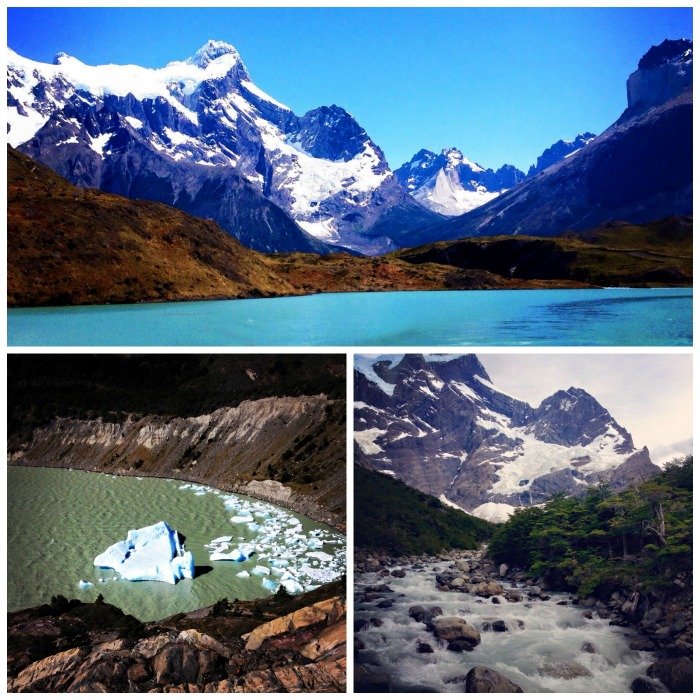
(200, 135)
(279, 644)
(80, 246)
(559, 150)
(638, 170)
(286, 449)
(439, 424)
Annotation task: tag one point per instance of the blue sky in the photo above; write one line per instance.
(500, 84)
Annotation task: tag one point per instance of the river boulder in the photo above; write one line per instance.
(455, 629)
(485, 680)
(675, 674)
(564, 669)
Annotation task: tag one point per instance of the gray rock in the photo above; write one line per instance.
(563, 669)
(455, 629)
(482, 679)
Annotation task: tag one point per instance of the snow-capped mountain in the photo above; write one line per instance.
(197, 134)
(559, 150)
(451, 184)
(639, 170)
(438, 423)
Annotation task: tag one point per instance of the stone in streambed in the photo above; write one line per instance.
(455, 629)
(564, 669)
(485, 680)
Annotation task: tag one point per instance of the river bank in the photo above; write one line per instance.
(458, 621)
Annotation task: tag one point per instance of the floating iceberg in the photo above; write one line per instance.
(243, 574)
(242, 519)
(233, 555)
(153, 553)
(261, 571)
(85, 584)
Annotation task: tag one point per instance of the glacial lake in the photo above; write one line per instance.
(504, 317)
(59, 520)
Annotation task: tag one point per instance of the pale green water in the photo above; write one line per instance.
(59, 520)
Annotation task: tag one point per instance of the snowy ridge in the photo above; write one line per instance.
(321, 168)
(445, 428)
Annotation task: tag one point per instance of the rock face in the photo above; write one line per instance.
(638, 170)
(449, 183)
(218, 449)
(439, 424)
(664, 71)
(69, 646)
(485, 680)
(200, 135)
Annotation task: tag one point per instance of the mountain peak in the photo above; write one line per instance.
(668, 51)
(211, 51)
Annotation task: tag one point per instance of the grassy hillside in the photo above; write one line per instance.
(394, 518)
(655, 254)
(68, 245)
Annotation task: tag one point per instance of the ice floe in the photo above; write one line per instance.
(294, 558)
(152, 553)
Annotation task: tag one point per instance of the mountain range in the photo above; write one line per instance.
(638, 170)
(198, 134)
(438, 423)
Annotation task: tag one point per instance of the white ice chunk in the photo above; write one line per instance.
(151, 553)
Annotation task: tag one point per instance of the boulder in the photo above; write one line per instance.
(150, 646)
(675, 674)
(330, 639)
(503, 569)
(563, 669)
(588, 648)
(204, 641)
(455, 629)
(44, 670)
(513, 595)
(325, 611)
(643, 685)
(485, 680)
(424, 648)
(175, 663)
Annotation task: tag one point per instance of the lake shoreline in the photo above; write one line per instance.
(547, 285)
(190, 480)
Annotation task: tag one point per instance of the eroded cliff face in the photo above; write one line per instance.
(285, 450)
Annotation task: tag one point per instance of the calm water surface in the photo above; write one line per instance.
(504, 317)
(59, 520)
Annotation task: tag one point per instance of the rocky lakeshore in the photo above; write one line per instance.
(459, 621)
(279, 644)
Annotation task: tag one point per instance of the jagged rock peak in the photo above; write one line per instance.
(665, 71)
(668, 51)
(212, 50)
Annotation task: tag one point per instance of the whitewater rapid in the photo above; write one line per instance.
(539, 632)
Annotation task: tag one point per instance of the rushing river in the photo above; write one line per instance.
(538, 632)
(502, 317)
(59, 520)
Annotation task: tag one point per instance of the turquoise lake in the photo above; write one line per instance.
(59, 520)
(504, 317)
